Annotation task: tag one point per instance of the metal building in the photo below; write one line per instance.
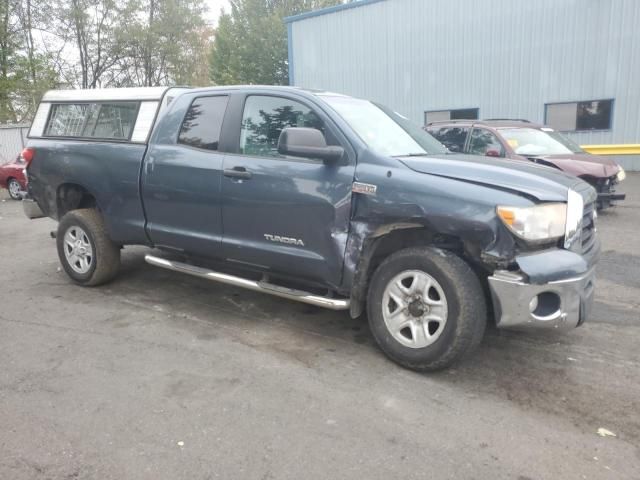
(12, 141)
(574, 64)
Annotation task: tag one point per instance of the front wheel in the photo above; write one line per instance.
(85, 250)
(426, 308)
(14, 188)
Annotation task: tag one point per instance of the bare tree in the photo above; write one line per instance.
(91, 25)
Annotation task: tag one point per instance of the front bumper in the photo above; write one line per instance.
(606, 188)
(563, 300)
(611, 196)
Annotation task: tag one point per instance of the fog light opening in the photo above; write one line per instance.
(545, 306)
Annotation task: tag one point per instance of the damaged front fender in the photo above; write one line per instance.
(409, 210)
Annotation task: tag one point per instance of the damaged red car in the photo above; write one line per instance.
(523, 140)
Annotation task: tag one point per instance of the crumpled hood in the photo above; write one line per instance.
(580, 164)
(540, 182)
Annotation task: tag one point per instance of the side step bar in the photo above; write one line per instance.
(264, 287)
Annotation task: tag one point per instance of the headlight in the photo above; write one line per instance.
(535, 224)
(621, 175)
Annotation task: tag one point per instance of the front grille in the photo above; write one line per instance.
(588, 228)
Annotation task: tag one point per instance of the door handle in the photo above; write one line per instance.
(237, 172)
(149, 165)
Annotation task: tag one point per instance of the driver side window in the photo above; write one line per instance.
(265, 117)
(483, 142)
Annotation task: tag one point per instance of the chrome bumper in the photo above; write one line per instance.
(564, 303)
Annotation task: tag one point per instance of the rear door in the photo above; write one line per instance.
(285, 214)
(181, 179)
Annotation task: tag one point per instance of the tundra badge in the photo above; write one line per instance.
(287, 240)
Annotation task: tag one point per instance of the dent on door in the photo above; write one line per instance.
(289, 216)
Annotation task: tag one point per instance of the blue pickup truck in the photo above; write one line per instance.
(315, 197)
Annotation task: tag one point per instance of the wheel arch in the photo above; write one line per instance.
(385, 240)
(73, 196)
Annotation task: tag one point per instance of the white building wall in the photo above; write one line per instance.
(12, 140)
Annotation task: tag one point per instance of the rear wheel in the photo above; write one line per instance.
(86, 252)
(426, 308)
(14, 188)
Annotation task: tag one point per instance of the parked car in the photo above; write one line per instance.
(12, 177)
(523, 140)
(319, 198)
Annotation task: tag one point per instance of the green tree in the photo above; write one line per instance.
(8, 49)
(165, 43)
(25, 72)
(250, 44)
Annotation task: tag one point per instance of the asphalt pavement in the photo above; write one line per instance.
(163, 376)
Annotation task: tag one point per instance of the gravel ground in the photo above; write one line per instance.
(159, 375)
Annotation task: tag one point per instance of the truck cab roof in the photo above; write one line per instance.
(491, 123)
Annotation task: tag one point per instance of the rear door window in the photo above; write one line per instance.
(453, 138)
(203, 123)
(484, 142)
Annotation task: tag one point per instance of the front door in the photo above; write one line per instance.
(484, 142)
(181, 182)
(283, 214)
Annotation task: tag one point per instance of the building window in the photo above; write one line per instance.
(203, 123)
(444, 115)
(579, 116)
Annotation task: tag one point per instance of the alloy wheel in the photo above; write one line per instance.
(414, 308)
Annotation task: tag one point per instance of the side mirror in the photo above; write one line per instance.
(307, 143)
(492, 153)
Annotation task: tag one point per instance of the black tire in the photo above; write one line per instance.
(14, 182)
(105, 261)
(467, 312)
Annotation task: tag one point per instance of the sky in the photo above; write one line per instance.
(214, 9)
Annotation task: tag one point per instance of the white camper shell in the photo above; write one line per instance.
(113, 114)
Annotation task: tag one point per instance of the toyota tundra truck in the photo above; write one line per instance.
(315, 197)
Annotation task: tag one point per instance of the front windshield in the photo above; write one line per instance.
(531, 141)
(383, 130)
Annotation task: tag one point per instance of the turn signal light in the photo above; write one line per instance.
(507, 215)
(27, 154)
